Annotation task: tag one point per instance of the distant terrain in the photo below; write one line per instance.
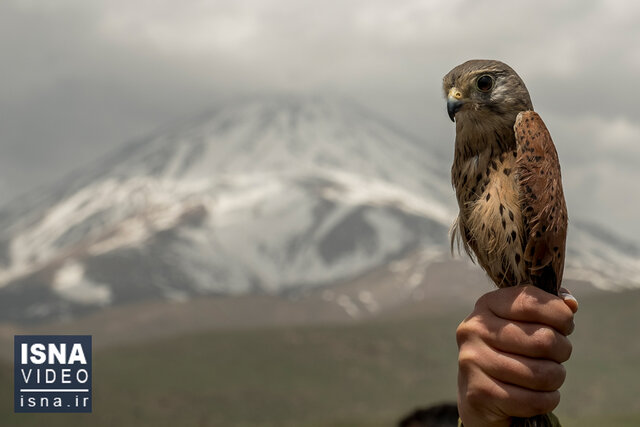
(355, 374)
(276, 197)
(281, 262)
(402, 289)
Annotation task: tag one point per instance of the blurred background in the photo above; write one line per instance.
(246, 202)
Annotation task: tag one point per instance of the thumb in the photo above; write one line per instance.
(568, 299)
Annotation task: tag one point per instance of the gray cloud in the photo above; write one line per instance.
(80, 77)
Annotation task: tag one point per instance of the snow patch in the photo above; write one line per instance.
(70, 283)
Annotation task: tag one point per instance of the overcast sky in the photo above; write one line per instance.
(79, 77)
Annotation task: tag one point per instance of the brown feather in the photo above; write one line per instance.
(541, 199)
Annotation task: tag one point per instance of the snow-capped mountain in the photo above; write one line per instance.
(596, 255)
(259, 196)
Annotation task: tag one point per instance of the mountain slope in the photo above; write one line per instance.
(260, 196)
(256, 197)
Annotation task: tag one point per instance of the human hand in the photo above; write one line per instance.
(511, 350)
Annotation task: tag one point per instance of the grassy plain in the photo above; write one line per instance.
(353, 375)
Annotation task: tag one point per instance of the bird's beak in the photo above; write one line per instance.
(453, 106)
(454, 102)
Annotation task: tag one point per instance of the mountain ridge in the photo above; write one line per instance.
(257, 196)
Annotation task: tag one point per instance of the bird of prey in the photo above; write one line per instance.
(506, 176)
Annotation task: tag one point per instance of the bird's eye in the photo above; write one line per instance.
(484, 83)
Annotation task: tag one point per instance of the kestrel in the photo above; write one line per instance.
(506, 175)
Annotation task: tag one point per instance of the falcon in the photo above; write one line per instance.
(506, 174)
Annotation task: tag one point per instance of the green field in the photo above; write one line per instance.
(365, 374)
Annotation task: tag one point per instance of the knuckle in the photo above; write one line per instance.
(475, 397)
(546, 403)
(526, 304)
(542, 403)
(567, 321)
(549, 376)
(560, 375)
(571, 327)
(485, 299)
(490, 299)
(468, 329)
(478, 395)
(482, 302)
(543, 340)
(467, 359)
(565, 351)
(462, 333)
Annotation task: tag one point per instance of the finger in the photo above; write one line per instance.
(569, 299)
(484, 392)
(525, 339)
(529, 304)
(529, 373)
(519, 402)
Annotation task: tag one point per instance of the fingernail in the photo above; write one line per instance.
(565, 295)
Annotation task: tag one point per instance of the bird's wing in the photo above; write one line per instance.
(544, 211)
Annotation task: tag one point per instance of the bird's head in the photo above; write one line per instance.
(485, 90)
